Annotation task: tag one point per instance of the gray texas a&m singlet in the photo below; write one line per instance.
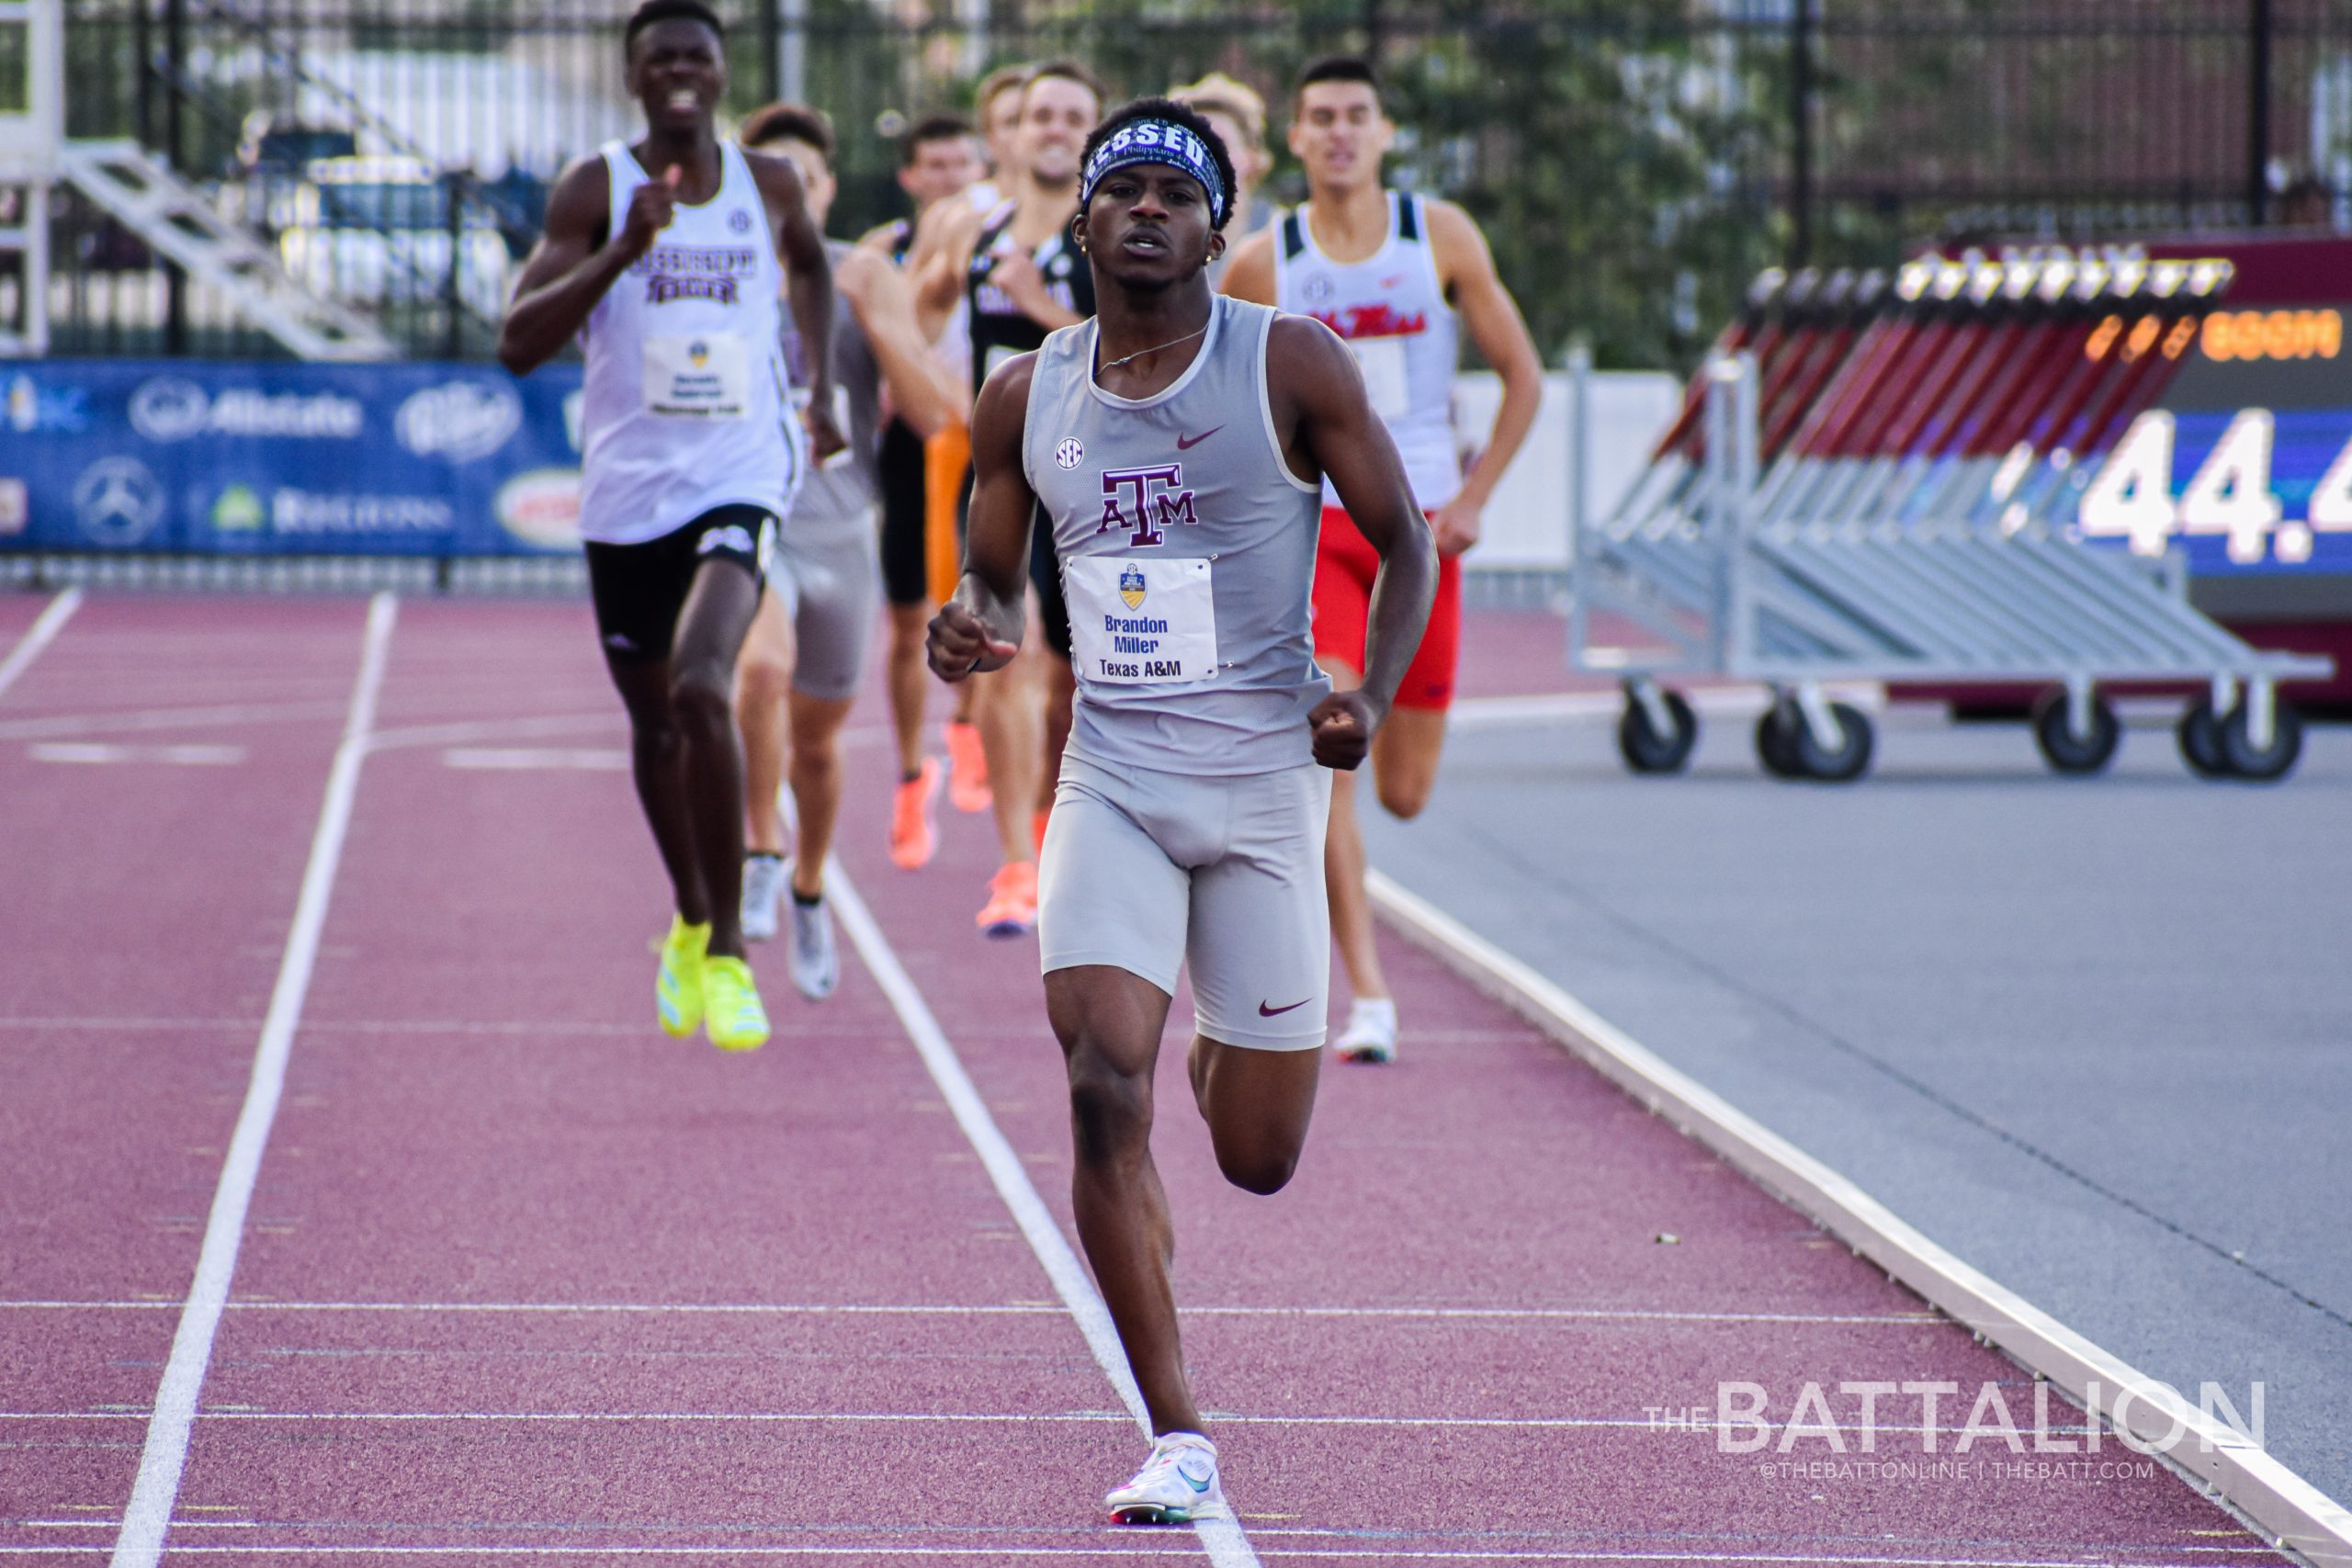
(1187, 552)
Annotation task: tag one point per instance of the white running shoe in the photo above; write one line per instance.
(1371, 1033)
(1176, 1485)
(763, 885)
(816, 966)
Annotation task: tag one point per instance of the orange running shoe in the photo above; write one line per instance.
(968, 768)
(1012, 908)
(914, 836)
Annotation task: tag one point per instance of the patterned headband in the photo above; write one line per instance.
(1157, 141)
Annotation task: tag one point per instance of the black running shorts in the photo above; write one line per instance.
(906, 576)
(639, 589)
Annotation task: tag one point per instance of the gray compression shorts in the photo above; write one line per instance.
(1151, 872)
(829, 576)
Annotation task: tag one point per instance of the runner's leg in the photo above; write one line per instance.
(815, 785)
(1405, 757)
(1343, 869)
(658, 762)
(762, 680)
(909, 680)
(711, 628)
(1257, 1104)
(1109, 1023)
(1006, 709)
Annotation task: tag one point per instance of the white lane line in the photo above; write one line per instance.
(954, 1309)
(167, 718)
(2244, 1477)
(1227, 1546)
(39, 635)
(950, 1418)
(148, 1518)
(172, 756)
(543, 757)
(1148, 1548)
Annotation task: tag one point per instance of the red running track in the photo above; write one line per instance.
(523, 1278)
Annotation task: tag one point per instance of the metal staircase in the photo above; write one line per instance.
(155, 204)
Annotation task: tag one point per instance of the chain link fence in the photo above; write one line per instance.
(1635, 162)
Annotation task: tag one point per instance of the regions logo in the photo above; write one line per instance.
(172, 408)
(117, 502)
(541, 507)
(35, 410)
(304, 512)
(16, 507)
(238, 509)
(1131, 589)
(460, 421)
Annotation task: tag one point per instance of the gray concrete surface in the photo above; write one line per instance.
(2095, 1036)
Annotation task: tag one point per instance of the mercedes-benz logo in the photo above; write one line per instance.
(117, 502)
(169, 408)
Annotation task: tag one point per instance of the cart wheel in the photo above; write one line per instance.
(1843, 763)
(2199, 734)
(1774, 747)
(2262, 764)
(2060, 746)
(1648, 752)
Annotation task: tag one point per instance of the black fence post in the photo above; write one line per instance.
(142, 49)
(2257, 125)
(176, 153)
(1799, 134)
(453, 340)
(771, 48)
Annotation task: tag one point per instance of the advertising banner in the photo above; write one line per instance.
(288, 458)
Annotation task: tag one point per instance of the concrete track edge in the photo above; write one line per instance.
(2287, 1509)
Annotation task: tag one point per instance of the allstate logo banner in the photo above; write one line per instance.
(282, 458)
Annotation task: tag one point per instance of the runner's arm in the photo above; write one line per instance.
(981, 627)
(1251, 274)
(922, 390)
(809, 284)
(567, 271)
(1467, 268)
(1318, 396)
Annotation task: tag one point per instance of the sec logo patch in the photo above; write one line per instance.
(1070, 453)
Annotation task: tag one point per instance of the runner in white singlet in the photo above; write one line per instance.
(805, 653)
(1395, 274)
(662, 256)
(1177, 445)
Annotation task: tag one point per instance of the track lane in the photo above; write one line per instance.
(464, 1123)
(148, 907)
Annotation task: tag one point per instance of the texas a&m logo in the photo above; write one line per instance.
(1143, 501)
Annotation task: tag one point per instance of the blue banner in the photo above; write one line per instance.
(287, 458)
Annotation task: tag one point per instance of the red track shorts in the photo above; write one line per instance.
(1345, 563)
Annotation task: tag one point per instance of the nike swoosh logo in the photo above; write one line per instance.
(1264, 1011)
(1186, 442)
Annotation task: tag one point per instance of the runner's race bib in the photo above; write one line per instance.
(700, 376)
(1382, 360)
(1141, 622)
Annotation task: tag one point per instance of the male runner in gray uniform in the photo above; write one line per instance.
(807, 647)
(1178, 444)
